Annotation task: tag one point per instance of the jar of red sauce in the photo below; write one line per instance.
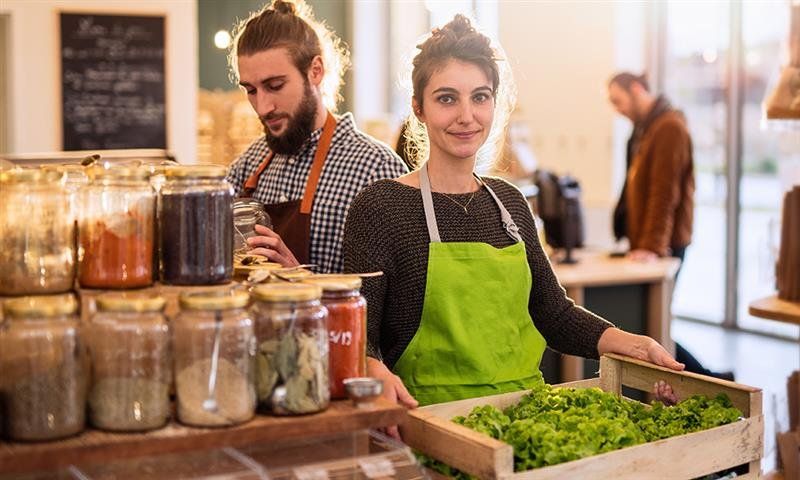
(347, 328)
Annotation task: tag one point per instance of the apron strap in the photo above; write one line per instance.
(509, 225)
(314, 174)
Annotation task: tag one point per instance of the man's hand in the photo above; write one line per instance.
(393, 390)
(641, 255)
(270, 245)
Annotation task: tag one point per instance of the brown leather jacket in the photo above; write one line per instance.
(660, 187)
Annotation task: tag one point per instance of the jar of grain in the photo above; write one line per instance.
(214, 347)
(128, 342)
(44, 367)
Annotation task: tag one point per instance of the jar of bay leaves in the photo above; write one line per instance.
(347, 328)
(128, 342)
(37, 233)
(196, 226)
(214, 347)
(292, 358)
(44, 368)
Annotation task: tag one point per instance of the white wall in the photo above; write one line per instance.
(34, 69)
(562, 54)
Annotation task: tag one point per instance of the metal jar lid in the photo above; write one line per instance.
(214, 300)
(195, 171)
(287, 292)
(335, 283)
(118, 173)
(42, 306)
(115, 302)
(29, 175)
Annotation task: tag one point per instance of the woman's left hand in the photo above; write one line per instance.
(640, 347)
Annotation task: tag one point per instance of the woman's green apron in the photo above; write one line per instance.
(476, 337)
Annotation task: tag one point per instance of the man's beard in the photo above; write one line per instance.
(298, 128)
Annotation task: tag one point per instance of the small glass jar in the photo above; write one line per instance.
(196, 226)
(116, 233)
(292, 358)
(247, 213)
(128, 342)
(37, 233)
(347, 328)
(214, 348)
(44, 367)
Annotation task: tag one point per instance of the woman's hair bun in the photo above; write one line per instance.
(282, 6)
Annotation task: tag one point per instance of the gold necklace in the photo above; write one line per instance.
(464, 206)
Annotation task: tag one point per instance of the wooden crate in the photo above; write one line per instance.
(429, 430)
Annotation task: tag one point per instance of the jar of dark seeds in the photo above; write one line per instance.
(196, 226)
(44, 367)
(292, 358)
(128, 341)
(214, 347)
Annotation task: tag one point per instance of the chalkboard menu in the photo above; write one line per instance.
(112, 78)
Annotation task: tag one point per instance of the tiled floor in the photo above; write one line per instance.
(756, 360)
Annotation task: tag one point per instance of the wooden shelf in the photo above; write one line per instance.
(96, 446)
(773, 308)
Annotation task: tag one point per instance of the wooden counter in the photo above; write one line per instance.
(598, 269)
(95, 446)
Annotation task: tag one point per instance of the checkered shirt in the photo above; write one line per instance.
(354, 161)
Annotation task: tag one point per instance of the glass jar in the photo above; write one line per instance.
(247, 213)
(196, 229)
(214, 348)
(37, 233)
(116, 234)
(292, 358)
(128, 342)
(347, 328)
(44, 367)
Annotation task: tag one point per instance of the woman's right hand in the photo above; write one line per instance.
(393, 390)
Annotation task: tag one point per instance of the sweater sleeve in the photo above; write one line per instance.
(565, 326)
(670, 154)
(365, 251)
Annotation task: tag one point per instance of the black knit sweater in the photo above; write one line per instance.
(386, 230)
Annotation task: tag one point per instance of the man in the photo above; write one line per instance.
(656, 206)
(310, 164)
(657, 202)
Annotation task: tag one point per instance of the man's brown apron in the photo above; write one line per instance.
(292, 220)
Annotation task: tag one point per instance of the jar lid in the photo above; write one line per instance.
(335, 283)
(195, 171)
(118, 173)
(130, 303)
(214, 300)
(287, 292)
(30, 175)
(41, 306)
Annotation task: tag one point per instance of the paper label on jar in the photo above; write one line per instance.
(377, 467)
(341, 337)
(310, 473)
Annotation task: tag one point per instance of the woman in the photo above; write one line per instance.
(469, 300)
